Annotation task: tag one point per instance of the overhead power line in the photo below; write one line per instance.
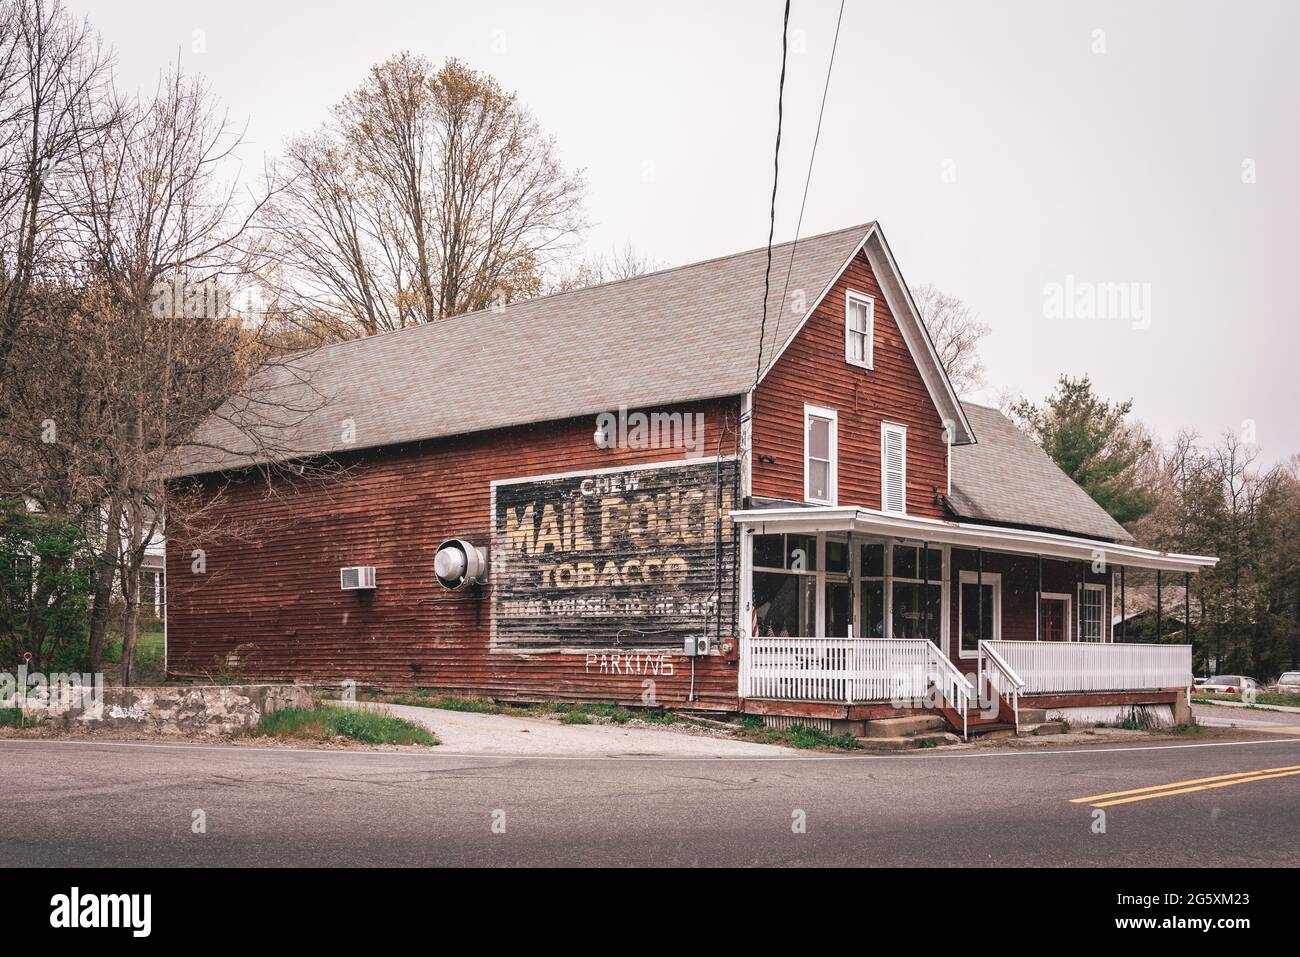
(812, 158)
(776, 176)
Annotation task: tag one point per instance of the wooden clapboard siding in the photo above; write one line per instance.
(1019, 594)
(270, 592)
(812, 370)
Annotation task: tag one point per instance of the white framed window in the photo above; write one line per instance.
(893, 468)
(859, 328)
(819, 454)
(978, 594)
(784, 585)
(1092, 599)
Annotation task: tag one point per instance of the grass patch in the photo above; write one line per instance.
(1273, 697)
(11, 717)
(795, 736)
(148, 661)
(326, 722)
(613, 712)
(1189, 730)
(575, 717)
(1140, 719)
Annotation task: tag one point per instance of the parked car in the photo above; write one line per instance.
(1198, 682)
(1229, 684)
(1287, 683)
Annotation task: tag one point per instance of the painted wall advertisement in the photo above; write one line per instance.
(614, 560)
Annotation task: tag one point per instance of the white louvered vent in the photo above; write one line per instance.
(893, 468)
(357, 578)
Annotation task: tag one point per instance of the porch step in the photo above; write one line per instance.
(903, 726)
(929, 739)
(992, 729)
(1044, 727)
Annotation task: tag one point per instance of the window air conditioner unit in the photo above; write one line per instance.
(357, 578)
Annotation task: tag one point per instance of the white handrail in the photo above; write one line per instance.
(958, 686)
(1003, 680)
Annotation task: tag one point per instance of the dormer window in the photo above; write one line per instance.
(859, 327)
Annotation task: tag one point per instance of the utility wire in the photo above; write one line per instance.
(808, 180)
(776, 176)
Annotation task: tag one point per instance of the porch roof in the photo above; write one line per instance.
(845, 518)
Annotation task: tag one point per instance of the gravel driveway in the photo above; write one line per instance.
(463, 732)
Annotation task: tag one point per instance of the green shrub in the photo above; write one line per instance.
(45, 589)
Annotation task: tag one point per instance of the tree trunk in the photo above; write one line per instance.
(106, 563)
(130, 621)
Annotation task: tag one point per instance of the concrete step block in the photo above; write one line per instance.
(901, 727)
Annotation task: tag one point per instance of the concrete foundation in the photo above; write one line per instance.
(195, 710)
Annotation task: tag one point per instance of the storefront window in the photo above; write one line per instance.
(837, 556)
(907, 563)
(907, 620)
(885, 584)
(871, 610)
(785, 605)
(837, 609)
(791, 552)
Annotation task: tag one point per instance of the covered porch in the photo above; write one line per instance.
(866, 612)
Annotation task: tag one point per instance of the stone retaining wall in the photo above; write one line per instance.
(193, 710)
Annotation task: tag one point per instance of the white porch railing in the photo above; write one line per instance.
(1003, 681)
(1048, 667)
(852, 670)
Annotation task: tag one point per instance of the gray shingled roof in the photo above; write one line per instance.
(673, 336)
(1007, 479)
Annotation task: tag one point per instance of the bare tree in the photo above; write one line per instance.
(52, 74)
(956, 332)
(625, 263)
(125, 356)
(429, 193)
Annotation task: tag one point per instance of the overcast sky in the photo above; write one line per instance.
(999, 149)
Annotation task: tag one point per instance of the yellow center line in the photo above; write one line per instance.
(1179, 784)
(1199, 787)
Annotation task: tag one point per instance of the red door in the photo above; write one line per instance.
(1053, 612)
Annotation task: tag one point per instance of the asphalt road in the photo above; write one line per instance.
(105, 804)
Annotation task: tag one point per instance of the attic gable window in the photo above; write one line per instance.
(819, 454)
(859, 328)
(893, 468)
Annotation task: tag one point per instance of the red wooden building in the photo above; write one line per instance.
(849, 537)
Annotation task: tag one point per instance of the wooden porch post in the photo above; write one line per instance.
(1038, 611)
(1078, 601)
(925, 611)
(979, 591)
(1123, 614)
(1159, 609)
(853, 607)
